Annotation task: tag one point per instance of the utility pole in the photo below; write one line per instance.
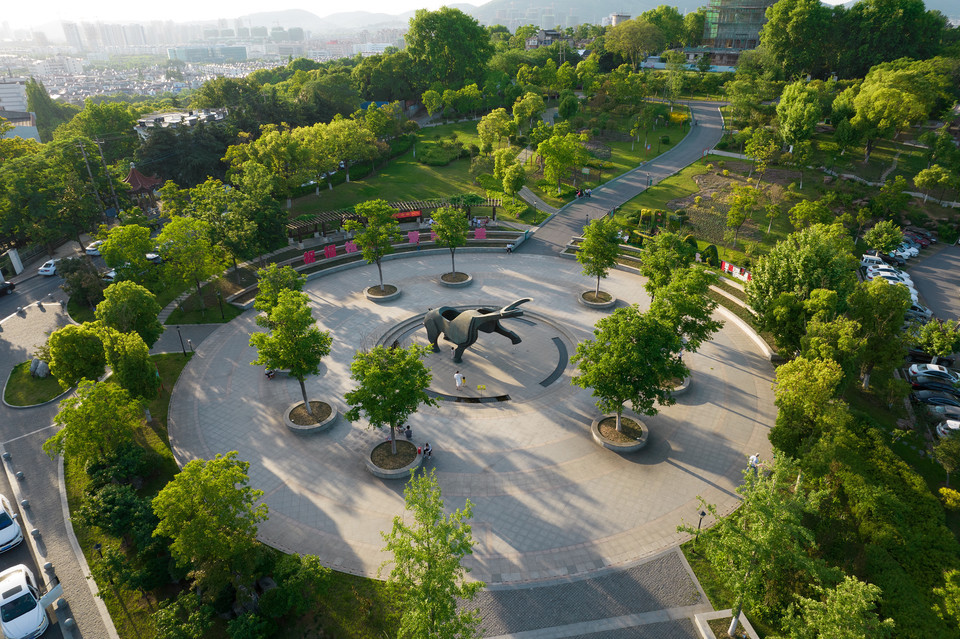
(93, 185)
(116, 202)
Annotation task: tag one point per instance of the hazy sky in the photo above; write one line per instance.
(45, 11)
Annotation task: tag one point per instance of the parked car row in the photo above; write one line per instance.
(22, 609)
(938, 388)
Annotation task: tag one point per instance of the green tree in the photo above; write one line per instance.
(431, 101)
(791, 27)
(762, 147)
(634, 40)
(809, 212)
(600, 248)
(513, 180)
(562, 153)
(880, 308)
(844, 612)
(189, 254)
(428, 550)
(76, 353)
(129, 307)
(660, 257)
(947, 452)
(939, 338)
(391, 386)
(670, 22)
(294, 343)
(838, 340)
(764, 552)
(125, 248)
(526, 109)
(249, 625)
(892, 198)
(742, 203)
(377, 237)
(94, 423)
(948, 606)
(884, 236)
(631, 359)
(819, 256)
(450, 46)
(683, 304)
(797, 113)
(273, 280)
(883, 111)
(806, 394)
(210, 513)
(129, 359)
(933, 177)
(451, 227)
(183, 618)
(693, 24)
(494, 126)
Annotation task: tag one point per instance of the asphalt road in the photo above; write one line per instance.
(31, 290)
(937, 280)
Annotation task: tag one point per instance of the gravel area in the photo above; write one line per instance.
(660, 583)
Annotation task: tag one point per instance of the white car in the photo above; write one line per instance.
(22, 610)
(10, 532)
(889, 270)
(948, 427)
(934, 370)
(890, 277)
(912, 251)
(94, 247)
(49, 268)
(110, 276)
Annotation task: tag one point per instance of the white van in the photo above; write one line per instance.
(871, 260)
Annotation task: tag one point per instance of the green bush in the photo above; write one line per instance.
(490, 183)
(947, 233)
(711, 256)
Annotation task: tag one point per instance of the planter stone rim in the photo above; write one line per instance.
(463, 284)
(596, 305)
(397, 473)
(382, 298)
(326, 424)
(619, 448)
(684, 386)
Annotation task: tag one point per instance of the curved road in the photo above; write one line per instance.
(553, 235)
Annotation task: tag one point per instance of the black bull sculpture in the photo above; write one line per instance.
(464, 327)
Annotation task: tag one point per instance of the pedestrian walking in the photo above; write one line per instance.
(755, 463)
(458, 379)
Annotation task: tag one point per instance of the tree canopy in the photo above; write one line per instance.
(94, 423)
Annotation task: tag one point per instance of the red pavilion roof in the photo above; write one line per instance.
(140, 182)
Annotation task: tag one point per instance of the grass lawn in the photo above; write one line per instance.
(129, 610)
(353, 607)
(79, 312)
(23, 389)
(403, 178)
(672, 188)
(190, 312)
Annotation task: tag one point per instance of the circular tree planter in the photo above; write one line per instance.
(618, 446)
(604, 301)
(456, 279)
(388, 293)
(683, 386)
(297, 419)
(402, 472)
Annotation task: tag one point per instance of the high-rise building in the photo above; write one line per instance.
(72, 32)
(735, 24)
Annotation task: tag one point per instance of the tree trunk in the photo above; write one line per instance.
(303, 391)
(619, 422)
(735, 621)
(453, 263)
(393, 440)
(200, 296)
(380, 271)
(347, 169)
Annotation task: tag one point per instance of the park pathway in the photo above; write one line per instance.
(553, 235)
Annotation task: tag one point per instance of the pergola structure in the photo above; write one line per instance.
(406, 212)
(141, 188)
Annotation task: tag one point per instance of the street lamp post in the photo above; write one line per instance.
(703, 514)
(220, 302)
(182, 347)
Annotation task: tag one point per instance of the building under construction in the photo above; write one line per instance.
(733, 26)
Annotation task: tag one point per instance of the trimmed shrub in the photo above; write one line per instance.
(711, 256)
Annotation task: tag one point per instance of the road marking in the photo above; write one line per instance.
(39, 430)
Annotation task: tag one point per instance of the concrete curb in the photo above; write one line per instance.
(81, 559)
(746, 328)
(3, 396)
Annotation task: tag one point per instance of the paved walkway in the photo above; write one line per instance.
(548, 503)
(23, 431)
(554, 234)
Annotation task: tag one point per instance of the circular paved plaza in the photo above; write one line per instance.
(548, 502)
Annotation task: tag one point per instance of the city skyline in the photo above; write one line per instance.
(117, 11)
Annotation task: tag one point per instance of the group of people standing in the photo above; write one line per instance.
(584, 192)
